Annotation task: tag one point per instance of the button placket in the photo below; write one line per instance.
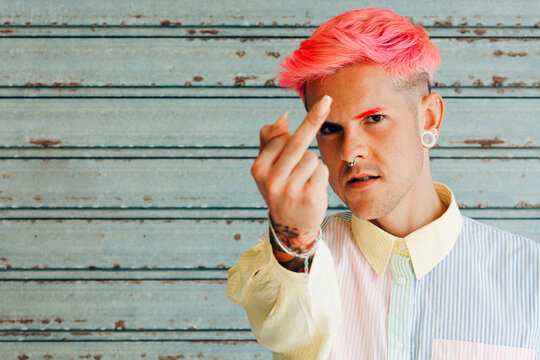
(400, 314)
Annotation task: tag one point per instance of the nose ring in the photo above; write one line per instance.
(351, 164)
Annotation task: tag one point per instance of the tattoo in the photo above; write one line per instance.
(298, 243)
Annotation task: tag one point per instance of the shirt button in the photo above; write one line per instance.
(399, 345)
(402, 246)
(401, 280)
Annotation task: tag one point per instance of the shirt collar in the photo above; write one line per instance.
(426, 246)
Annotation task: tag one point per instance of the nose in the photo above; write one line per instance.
(353, 147)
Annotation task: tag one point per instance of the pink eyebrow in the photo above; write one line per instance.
(369, 112)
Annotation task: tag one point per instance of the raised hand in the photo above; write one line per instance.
(291, 179)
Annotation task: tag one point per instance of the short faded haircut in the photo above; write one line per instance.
(369, 35)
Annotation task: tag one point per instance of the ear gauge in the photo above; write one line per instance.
(431, 138)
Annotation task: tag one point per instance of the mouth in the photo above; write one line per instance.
(362, 181)
(361, 178)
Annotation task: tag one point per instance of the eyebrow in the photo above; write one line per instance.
(369, 112)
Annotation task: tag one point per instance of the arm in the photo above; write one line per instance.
(292, 317)
(290, 313)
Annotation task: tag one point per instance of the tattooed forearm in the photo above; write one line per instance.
(298, 243)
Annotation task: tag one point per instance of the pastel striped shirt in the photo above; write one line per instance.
(453, 289)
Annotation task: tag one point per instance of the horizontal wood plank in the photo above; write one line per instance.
(217, 213)
(245, 12)
(118, 305)
(139, 92)
(77, 123)
(154, 245)
(220, 336)
(217, 350)
(227, 183)
(209, 32)
(233, 62)
(42, 149)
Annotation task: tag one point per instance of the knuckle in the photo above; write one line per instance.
(311, 157)
(272, 184)
(291, 190)
(256, 169)
(265, 129)
(312, 119)
(295, 144)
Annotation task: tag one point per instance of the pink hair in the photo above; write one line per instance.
(373, 35)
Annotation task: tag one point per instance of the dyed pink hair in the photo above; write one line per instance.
(365, 35)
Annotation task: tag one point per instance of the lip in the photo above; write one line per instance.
(356, 176)
(361, 184)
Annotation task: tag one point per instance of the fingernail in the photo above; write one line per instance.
(324, 105)
(281, 119)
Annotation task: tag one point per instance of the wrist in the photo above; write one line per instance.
(294, 239)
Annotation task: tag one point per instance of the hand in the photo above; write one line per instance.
(291, 180)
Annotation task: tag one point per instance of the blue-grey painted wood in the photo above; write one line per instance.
(215, 213)
(42, 148)
(221, 350)
(479, 123)
(118, 305)
(103, 337)
(209, 32)
(218, 92)
(273, 13)
(233, 62)
(46, 247)
(227, 183)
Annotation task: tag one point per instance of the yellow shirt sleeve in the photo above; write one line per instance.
(293, 316)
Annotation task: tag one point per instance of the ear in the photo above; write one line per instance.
(432, 112)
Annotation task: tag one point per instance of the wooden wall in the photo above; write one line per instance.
(127, 132)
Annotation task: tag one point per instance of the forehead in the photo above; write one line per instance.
(362, 84)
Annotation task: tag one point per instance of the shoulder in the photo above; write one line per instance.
(494, 239)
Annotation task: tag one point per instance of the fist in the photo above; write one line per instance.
(292, 180)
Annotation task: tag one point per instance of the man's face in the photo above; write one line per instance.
(386, 144)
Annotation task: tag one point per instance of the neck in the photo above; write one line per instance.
(420, 207)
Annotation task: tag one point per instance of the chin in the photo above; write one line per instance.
(369, 209)
(367, 212)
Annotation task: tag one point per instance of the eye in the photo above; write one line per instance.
(329, 128)
(376, 118)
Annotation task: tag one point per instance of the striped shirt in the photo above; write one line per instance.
(453, 289)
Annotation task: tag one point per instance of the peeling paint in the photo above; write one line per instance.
(45, 142)
(442, 23)
(498, 81)
(240, 53)
(211, 31)
(120, 325)
(274, 54)
(499, 53)
(478, 83)
(484, 142)
(524, 205)
(241, 80)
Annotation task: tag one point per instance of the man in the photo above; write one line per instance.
(403, 274)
